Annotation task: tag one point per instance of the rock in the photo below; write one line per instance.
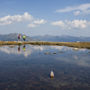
(51, 74)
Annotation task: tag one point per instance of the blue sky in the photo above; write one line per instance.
(42, 17)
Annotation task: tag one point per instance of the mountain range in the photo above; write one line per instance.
(13, 37)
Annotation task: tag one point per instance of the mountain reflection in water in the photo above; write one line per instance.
(28, 67)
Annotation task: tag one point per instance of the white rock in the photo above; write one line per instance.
(52, 74)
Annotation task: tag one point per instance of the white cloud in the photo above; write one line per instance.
(77, 10)
(76, 13)
(58, 23)
(21, 18)
(74, 24)
(35, 23)
(16, 18)
(42, 21)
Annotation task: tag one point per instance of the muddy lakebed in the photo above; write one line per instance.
(28, 67)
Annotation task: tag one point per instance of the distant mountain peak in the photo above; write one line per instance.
(13, 37)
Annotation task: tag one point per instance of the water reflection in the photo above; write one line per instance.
(24, 48)
(47, 50)
(61, 53)
(19, 48)
(28, 67)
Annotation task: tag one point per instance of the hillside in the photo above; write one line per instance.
(13, 37)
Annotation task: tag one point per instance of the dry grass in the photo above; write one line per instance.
(69, 44)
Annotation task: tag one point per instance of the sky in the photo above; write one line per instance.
(45, 17)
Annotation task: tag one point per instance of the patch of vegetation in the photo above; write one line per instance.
(69, 44)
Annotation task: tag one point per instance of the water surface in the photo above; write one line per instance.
(28, 67)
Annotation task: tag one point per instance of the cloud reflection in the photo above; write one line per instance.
(79, 57)
(21, 50)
